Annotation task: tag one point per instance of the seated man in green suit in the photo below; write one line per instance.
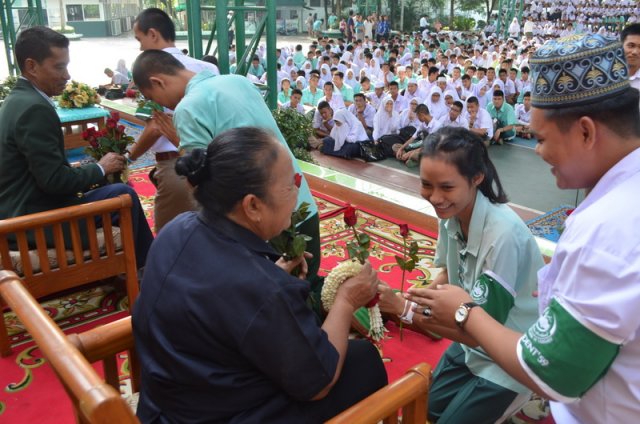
(35, 175)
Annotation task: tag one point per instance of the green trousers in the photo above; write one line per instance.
(457, 396)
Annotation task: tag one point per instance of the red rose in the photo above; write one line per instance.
(130, 93)
(111, 123)
(569, 211)
(350, 217)
(85, 135)
(373, 301)
(115, 116)
(297, 180)
(93, 143)
(121, 129)
(404, 230)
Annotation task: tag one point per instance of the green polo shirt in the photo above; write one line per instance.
(347, 93)
(213, 104)
(309, 98)
(506, 115)
(498, 267)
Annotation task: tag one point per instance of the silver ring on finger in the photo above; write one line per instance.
(427, 312)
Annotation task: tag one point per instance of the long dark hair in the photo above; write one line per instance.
(236, 163)
(468, 153)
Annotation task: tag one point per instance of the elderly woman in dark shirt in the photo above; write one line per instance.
(221, 327)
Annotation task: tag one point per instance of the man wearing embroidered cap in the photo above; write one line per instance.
(582, 352)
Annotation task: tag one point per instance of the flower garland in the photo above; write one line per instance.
(358, 252)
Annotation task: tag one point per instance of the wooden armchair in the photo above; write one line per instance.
(46, 270)
(98, 402)
(94, 400)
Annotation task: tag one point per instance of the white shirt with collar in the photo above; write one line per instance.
(369, 113)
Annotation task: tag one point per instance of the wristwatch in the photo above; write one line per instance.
(462, 313)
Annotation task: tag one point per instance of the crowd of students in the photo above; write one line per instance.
(476, 83)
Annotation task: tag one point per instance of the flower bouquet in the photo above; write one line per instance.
(78, 95)
(110, 138)
(291, 243)
(358, 250)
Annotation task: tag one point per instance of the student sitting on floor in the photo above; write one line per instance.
(523, 115)
(346, 136)
(409, 151)
(322, 124)
(504, 118)
(294, 101)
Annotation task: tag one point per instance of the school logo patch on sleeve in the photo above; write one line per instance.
(480, 291)
(562, 353)
(543, 330)
(493, 296)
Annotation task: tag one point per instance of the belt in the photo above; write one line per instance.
(161, 156)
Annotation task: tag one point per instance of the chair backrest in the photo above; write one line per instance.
(96, 402)
(409, 393)
(48, 269)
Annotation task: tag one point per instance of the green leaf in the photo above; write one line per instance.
(413, 248)
(365, 240)
(400, 262)
(352, 250)
(410, 265)
(299, 245)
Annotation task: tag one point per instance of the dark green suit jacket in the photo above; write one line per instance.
(35, 175)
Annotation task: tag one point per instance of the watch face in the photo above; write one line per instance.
(461, 314)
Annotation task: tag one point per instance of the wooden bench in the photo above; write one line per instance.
(48, 270)
(96, 401)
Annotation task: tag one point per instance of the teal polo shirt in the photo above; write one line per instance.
(506, 116)
(347, 93)
(309, 98)
(497, 265)
(213, 104)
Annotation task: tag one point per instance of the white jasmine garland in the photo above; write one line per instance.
(332, 282)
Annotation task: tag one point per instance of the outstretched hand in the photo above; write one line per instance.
(443, 299)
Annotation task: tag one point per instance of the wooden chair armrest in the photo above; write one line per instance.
(409, 393)
(97, 401)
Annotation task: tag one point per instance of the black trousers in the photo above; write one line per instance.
(363, 373)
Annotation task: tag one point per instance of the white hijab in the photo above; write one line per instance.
(122, 68)
(406, 117)
(385, 123)
(351, 82)
(439, 108)
(350, 130)
(301, 80)
(325, 77)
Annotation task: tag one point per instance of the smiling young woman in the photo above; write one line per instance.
(486, 249)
